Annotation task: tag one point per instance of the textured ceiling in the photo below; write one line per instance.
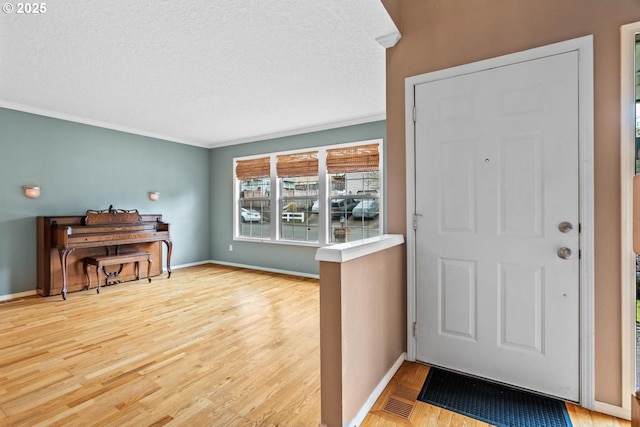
(205, 73)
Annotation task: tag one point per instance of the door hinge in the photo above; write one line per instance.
(415, 327)
(414, 114)
(414, 223)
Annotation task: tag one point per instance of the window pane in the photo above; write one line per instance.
(255, 212)
(298, 195)
(255, 188)
(255, 219)
(355, 205)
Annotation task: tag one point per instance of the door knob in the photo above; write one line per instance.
(565, 227)
(565, 253)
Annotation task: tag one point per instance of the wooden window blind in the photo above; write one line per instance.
(298, 164)
(254, 168)
(361, 158)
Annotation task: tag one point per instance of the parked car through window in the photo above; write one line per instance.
(250, 215)
(313, 196)
(366, 209)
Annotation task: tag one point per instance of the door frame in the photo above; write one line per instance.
(627, 171)
(584, 47)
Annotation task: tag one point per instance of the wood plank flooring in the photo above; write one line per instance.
(212, 346)
(405, 387)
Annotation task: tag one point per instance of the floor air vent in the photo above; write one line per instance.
(398, 406)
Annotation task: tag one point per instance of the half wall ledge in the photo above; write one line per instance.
(362, 324)
(343, 252)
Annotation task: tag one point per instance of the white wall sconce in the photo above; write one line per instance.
(31, 191)
(154, 196)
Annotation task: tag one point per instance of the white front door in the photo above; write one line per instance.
(497, 245)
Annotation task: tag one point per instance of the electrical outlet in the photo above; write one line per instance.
(230, 248)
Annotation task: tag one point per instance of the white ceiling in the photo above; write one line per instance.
(205, 73)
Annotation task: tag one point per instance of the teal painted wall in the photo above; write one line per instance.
(268, 255)
(81, 167)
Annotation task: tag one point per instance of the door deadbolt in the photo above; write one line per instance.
(565, 227)
(565, 253)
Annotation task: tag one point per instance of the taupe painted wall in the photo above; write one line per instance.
(438, 34)
(330, 344)
(373, 313)
(362, 316)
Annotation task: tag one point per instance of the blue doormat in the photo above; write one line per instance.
(492, 403)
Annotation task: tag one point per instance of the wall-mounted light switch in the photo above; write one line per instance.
(230, 248)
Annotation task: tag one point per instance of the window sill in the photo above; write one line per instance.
(278, 242)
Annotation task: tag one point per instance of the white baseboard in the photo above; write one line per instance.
(34, 292)
(623, 412)
(270, 270)
(362, 413)
(18, 295)
(191, 264)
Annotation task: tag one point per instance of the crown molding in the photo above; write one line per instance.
(303, 130)
(389, 40)
(92, 122)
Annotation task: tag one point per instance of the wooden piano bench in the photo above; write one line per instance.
(102, 261)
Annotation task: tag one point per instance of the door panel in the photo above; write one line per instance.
(521, 186)
(520, 311)
(496, 172)
(457, 193)
(458, 298)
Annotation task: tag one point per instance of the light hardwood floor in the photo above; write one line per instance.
(212, 346)
(402, 392)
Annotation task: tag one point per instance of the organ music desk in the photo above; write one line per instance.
(65, 241)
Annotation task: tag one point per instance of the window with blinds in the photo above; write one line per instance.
(298, 164)
(253, 177)
(360, 158)
(324, 194)
(298, 183)
(354, 176)
(253, 168)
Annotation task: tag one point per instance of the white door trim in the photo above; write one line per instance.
(627, 170)
(584, 47)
